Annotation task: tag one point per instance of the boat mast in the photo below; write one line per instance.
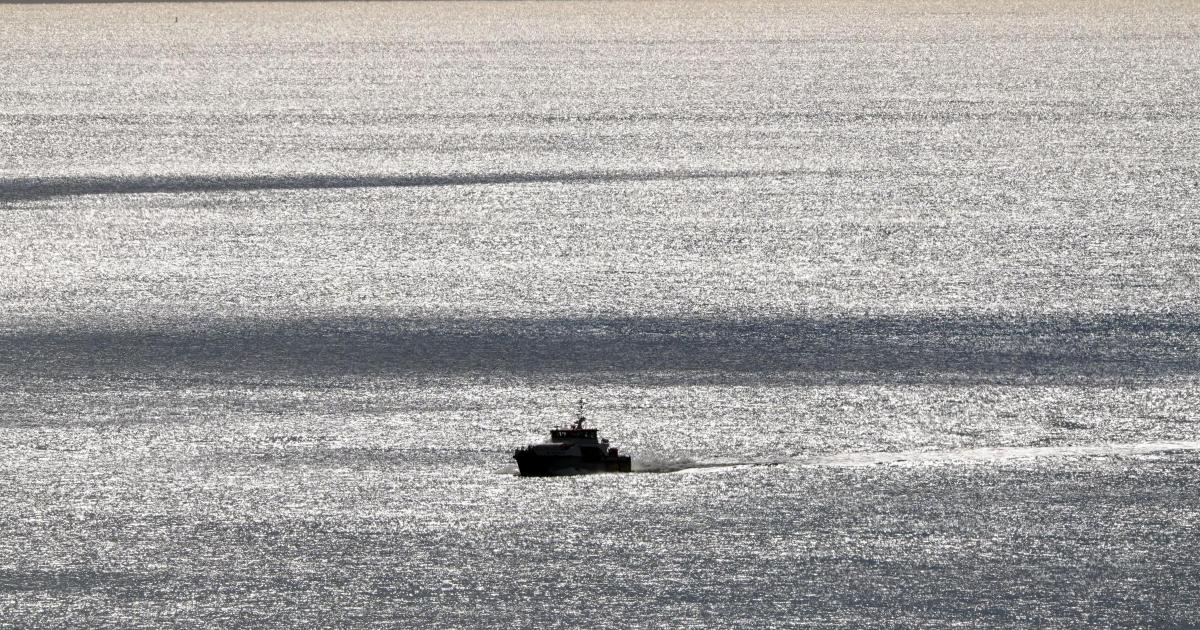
(579, 422)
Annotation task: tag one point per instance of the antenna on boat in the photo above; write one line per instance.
(579, 422)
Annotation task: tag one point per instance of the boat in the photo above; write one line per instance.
(571, 451)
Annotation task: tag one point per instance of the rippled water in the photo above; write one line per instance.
(894, 307)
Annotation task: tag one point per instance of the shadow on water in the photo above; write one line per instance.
(32, 188)
(867, 348)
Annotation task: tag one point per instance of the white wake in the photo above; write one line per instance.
(995, 453)
(656, 463)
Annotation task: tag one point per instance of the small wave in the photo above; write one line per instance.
(507, 469)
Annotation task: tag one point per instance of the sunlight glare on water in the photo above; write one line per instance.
(893, 306)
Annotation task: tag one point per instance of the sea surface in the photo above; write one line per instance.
(895, 306)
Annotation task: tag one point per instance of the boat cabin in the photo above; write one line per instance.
(575, 431)
(562, 435)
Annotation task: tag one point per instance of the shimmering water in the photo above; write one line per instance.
(893, 305)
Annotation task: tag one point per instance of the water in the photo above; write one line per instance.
(893, 306)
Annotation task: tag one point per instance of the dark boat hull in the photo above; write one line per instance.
(534, 465)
